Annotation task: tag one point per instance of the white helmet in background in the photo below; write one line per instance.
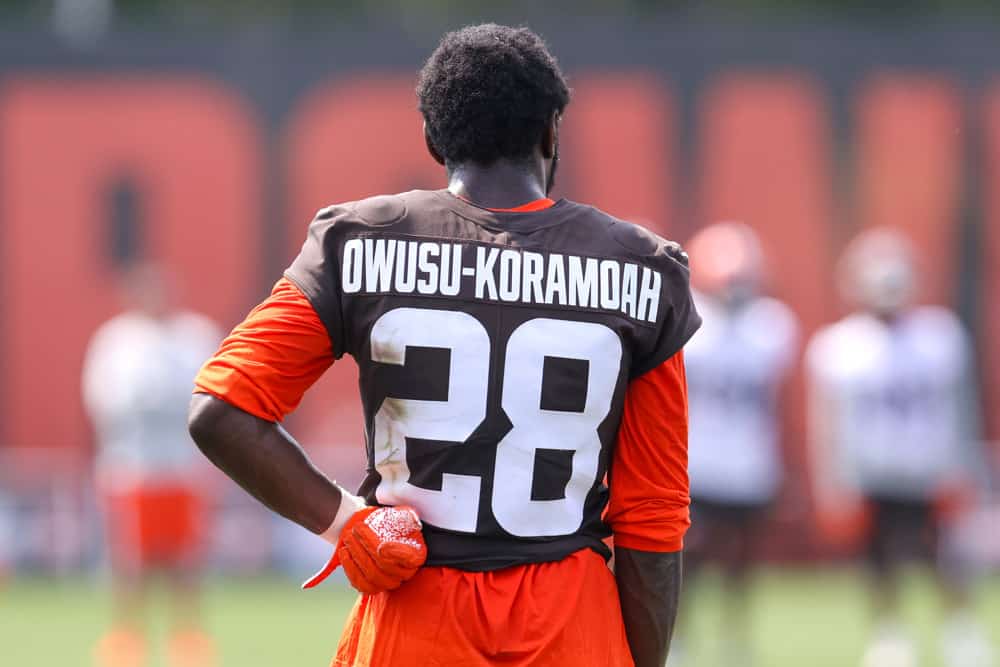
(727, 262)
(877, 271)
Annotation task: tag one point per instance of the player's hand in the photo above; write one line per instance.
(380, 548)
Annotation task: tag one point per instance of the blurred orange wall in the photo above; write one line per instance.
(762, 151)
(194, 152)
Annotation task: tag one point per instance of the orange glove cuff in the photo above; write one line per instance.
(379, 548)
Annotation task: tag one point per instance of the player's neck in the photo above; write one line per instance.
(500, 185)
(887, 317)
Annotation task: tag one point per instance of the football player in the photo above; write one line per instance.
(736, 364)
(514, 352)
(137, 374)
(892, 430)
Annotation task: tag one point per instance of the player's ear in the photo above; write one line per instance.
(550, 137)
(431, 148)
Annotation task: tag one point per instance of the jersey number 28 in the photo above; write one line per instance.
(452, 422)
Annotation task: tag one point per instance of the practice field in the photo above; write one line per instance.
(801, 617)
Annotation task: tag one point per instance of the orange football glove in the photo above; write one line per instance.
(379, 547)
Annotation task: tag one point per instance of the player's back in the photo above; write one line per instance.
(494, 351)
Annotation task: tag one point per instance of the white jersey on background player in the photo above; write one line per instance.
(892, 425)
(895, 394)
(890, 395)
(137, 385)
(735, 366)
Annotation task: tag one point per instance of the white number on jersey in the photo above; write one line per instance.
(456, 505)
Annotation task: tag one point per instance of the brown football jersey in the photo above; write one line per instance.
(494, 352)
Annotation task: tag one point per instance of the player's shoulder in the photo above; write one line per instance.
(774, 314)
(773, 320)
(773, 309)
(634, 239)
(334, 223)
(937, 333)
(935, 321)
(850, 327)
(196, 325)
(121, 326)
(377, 210)
(830, 341)
(332, 228)
(124, 331)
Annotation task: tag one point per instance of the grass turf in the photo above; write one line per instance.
(799, 617)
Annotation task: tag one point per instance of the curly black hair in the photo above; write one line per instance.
(488, 92)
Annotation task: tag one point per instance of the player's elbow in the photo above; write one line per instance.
(205, 422)
(652, 524)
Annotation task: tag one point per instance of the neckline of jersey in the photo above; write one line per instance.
(516, 221)
(530, 207)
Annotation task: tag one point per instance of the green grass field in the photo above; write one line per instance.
(800, 617)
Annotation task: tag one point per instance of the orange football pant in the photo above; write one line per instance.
(561, 614)
(155, 525)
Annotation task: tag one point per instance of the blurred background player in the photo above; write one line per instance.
(136, 385)
(893, 432)
(736, 365)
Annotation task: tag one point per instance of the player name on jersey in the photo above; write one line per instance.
(491, 273)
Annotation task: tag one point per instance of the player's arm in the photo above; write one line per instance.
(265, 460)
(649, 508)
(649, 586)
(839, 510)
(258, 376)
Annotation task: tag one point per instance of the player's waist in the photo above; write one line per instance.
(487, 553)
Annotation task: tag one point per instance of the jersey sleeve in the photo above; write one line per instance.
(316, 272)
(678, 319)
(650, 495)
(271, 358)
